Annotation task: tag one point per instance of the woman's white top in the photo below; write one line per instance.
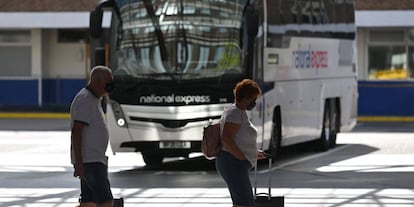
(246, 137)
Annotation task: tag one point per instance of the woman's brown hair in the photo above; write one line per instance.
(246, 88)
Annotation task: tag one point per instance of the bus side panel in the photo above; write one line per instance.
(306, 74)
(345, 90)
(309, 58)
(340, 59)
(349, 105)
(299, 104)
(300, 107)
(262, 116)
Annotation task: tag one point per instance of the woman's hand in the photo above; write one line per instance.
(262, 155)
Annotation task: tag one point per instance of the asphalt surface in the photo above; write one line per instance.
(371, 166)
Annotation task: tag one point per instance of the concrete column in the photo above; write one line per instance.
(362, 51)
(36, 42)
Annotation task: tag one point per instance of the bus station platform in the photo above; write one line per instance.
(34, 112)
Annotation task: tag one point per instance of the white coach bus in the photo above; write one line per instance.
(175, 64)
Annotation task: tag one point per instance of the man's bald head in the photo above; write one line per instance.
(99, 73)
(99, 77)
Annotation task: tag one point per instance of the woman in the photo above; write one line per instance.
(238, 138)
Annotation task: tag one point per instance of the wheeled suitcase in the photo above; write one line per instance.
(266, 199)
(118, 202)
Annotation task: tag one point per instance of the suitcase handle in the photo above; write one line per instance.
(269, 194)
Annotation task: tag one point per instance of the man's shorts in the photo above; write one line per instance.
(95, 185)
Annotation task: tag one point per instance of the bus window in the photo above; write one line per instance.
(304, 9)
(318, 12)
(274, 12)
(274, 18)
(320, 19)
(349, 7)
(328, 6)
(340, 11)
(290, 16)
(289, 11)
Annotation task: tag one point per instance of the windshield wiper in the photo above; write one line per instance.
(184, 57)
(160, 36)
(157, 28)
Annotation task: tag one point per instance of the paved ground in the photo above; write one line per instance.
(372, 166)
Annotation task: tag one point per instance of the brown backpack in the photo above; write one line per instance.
(211, 145)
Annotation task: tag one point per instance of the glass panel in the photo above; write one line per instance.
(71, 35)
(411, 35)
(411, 61)
(274, 12)
(387, 63)
(386, 36)
(329, 9)
(15, 61)
(289, 12)
(304, 8)
(180, 39)
(14, 36)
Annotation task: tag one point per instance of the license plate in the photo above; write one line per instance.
(175, 145)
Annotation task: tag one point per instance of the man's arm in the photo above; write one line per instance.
(77, 147)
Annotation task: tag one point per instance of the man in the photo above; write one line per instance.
(89, 139)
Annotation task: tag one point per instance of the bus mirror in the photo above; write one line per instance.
(96, 16)
(252, 21)
(99, 56)
(95, 23)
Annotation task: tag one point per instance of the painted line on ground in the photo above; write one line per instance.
(34, 115)
(385, 118)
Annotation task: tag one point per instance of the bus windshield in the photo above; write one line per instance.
(182, 39)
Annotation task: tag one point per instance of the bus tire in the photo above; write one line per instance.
(336, 117)
(152, 158)
(325, 138)
(276, 136)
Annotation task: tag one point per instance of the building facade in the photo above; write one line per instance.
(385, 59)
(43, 51)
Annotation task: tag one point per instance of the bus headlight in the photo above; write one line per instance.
(118, 114)
(120, 122)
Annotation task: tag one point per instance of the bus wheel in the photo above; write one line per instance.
(274, 146)
(326, 135)
(152, 158)
(335, 125)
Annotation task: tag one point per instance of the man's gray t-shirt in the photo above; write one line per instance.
(86, 108)
(246, 136)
